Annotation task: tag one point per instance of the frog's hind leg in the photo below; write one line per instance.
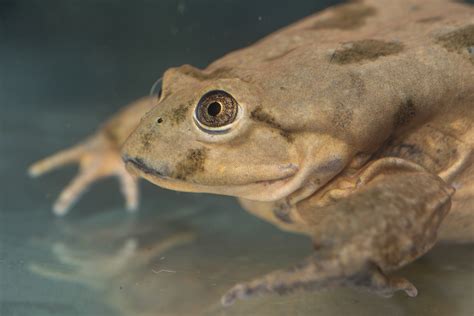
(316, 274)
(98, 157)
(388, 223)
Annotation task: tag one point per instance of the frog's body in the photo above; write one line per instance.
(353, 126)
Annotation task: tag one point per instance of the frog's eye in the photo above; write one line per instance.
(215, 111)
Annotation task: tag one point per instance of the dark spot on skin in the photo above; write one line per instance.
(191, 164)
(405, 114)
(365, 50)
(405, 150)
(346, 17)
(259, 115)
(278, 56)
(330, 166)
(146, 139)
(342, 117)
(459, 40)
(430, 19)
(357, 83)
(282, 212)
(159, 120)
(179, 113)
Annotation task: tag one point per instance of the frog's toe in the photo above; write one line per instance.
(57, 160)
(73, 191)
(129, 188)
(374, 280)
(394, 284)
(98, 158)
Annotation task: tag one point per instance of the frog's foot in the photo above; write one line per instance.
(98, 158)
(316, 274)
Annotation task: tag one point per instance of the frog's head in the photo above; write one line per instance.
(217, 133)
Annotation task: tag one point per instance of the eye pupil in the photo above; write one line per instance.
(214, 109)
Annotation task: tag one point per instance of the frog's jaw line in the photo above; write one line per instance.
(267, 190)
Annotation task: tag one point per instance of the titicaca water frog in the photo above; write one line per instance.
(353, 126)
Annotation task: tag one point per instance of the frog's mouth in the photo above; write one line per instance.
(261, 190)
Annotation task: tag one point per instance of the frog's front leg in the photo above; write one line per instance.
(390, 219)
(98, 157)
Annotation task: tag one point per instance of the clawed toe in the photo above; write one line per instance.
(402, 284)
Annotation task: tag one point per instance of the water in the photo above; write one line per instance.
(65, 67)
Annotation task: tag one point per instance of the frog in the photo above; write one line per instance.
(353, 126)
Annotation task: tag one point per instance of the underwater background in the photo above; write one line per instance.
(66, 66)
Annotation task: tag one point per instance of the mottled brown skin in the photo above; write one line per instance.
(355, 127)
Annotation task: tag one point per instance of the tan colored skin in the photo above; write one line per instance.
(354, 127)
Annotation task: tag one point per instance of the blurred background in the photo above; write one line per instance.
(67, 65)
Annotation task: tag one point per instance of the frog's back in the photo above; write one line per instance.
(412, 23)
(389, 62)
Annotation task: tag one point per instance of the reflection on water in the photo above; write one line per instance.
(124, 264)
(160, 265)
